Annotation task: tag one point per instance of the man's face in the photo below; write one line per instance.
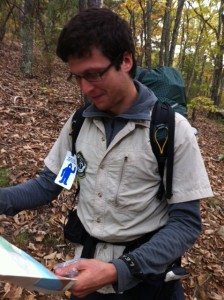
(114, 92)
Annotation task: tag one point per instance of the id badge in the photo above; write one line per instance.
(67, 173)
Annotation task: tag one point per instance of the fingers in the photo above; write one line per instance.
(91, 275)
(70, 271)
(67, 269)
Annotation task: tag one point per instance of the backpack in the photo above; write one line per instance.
(168, 86)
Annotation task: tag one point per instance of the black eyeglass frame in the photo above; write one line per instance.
(94, 76)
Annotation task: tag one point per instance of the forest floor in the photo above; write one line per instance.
(32, 113)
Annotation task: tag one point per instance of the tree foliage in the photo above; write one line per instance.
(183, 34)
(201, 104)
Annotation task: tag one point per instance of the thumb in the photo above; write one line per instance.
(69, 271)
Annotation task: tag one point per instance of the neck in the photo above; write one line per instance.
(127, 100)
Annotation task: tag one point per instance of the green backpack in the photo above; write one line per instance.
(167, 84)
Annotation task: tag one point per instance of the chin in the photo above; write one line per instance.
(101, 106)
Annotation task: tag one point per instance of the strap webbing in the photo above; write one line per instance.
(162, 142)
(170, 153)
(77, 122)
(142, 75)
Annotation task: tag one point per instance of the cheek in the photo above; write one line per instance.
(115, 86)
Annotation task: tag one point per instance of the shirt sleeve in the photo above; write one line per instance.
(153, 257)
(56, 156)
(35, 192)
(190, 179)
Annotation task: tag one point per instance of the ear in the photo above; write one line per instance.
(127, 62)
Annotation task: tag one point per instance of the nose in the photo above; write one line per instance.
(86, 86)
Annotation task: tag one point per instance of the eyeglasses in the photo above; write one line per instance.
(93, 76)
(89, 76)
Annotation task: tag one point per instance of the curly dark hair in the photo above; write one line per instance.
(100, 28)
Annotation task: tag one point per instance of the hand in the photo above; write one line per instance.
(92, 275)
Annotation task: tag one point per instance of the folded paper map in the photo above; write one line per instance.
(17, 267)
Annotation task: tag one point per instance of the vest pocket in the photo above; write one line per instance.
(122, 172)
(131, 182)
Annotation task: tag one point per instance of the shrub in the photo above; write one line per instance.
(201, 104)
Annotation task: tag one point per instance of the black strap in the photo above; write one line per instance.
(90, 242)
(89, 246)
(142, 75)
(162, 142)
(77, 121)
(170, 153)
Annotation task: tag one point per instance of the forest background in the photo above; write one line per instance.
(188, 35)
(36, 99)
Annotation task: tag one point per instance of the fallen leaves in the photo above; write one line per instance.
(12, 292)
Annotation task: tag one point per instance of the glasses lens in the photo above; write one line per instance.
(92, 77)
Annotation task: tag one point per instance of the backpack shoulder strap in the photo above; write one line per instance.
(162, 141)
(77, 121)
(142, 75)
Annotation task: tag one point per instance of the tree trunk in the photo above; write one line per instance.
(217, 79)
(148, 45)
(175, 31)
(184, 42)
(3, 22)
(143, 28)
(94, 3)
(216, 90)
(82, 5)
(201, 75)
(27, 37)
(198, 44)
(132, 23)
(221, 88)
(182, 48)
(165, 37)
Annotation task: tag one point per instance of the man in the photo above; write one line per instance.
(140, 237)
